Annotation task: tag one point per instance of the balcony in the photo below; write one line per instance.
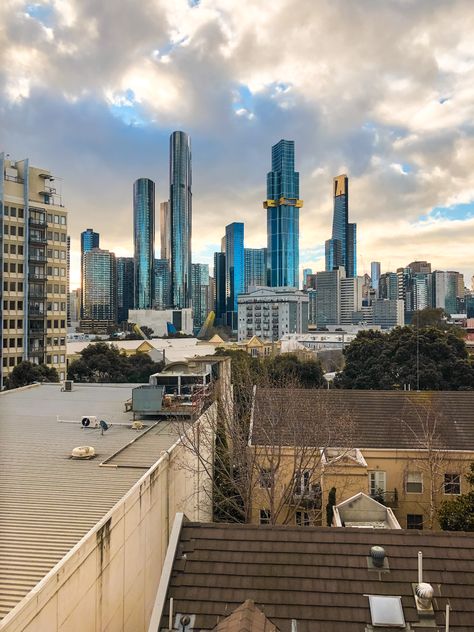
(36, 258)
(37, 296)
(36, 277)
(36, 222)
(37, 333)
(387, 498)
(37, 352)
(37, 239)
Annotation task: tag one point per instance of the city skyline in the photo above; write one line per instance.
(404, 139)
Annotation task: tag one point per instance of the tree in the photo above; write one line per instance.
(424, 359)
(103, 363)
(27, 373)
(330, 506)
(458, 514)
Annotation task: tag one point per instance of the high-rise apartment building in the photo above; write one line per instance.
(375, 276)
(235, 269)
(220, 287)
(328, 302)
(341, 249)
(255, 267)
(100, 291)
(75, 306)
(144, 241)
(388, 286)
(200, 285)
(162, 284)
(33, 283)
(180, 212)
(165, 230)
(388, 313)
(68, 274)
(125, 287)
(89, 239)
(351, 298)
(420, 267)
(306, 273)
(283, 213)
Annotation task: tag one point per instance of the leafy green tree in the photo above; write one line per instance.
(428, 358)
(458, 514)
(286, 368)
(27, 373)
(103, 363)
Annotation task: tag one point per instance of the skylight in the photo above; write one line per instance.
(386, 611)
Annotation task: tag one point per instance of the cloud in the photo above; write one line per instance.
(380, 90)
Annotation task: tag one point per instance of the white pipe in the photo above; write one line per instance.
(420, 567)
(447, 617)
(170, 626)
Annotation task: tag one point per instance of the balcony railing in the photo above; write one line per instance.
(37, 333)
(38, 258)
(36, 222)
(387, 498)
(37, 239)
(36, 277)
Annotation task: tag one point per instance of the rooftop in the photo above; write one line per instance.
(49, 500)
(320, 577)
(379, 419)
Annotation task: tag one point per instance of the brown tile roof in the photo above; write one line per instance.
(318, 576)
(380, 419)
(246, 618)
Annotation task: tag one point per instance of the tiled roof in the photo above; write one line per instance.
(379, 419)
(318, 576)
(246, 618)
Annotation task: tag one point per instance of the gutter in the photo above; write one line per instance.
(160, 599)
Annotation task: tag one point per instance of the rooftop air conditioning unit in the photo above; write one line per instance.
(89, 421)
(67, 386)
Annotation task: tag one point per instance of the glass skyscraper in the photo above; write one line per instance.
(125, 281)
(255, 267)
(144, 241)
(283, 209)
(200, 284)
(180, 218)
(341, 249)
(235, 268)
(162, 284)
(219, 295)
(100, 286)
(89, 240)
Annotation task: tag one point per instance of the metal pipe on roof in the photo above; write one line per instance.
(170, 625)
(447, 617)
(420, 567)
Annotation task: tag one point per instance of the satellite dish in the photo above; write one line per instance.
(103, 426)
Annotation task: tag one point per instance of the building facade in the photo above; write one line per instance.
(255, 267)
(328, 302)
(144, 241)
(388, 286)
(165, 230)
(388, 313)
(125, 288)
(375, 276)
(283, 208)
(161, 290)
(270, 313)
(234, 269)
(200, 285)
(180, 213)
(33, 227)
(89, 239)
(220, 288)
(100, 290)
(341, 249)
(351, 298)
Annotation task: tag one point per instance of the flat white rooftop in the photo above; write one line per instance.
(48, 500)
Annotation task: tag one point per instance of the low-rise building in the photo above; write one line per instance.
(271, 312)
(159, 320)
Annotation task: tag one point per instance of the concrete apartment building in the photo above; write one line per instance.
(408, 450)
(271, 312)
(33, 226)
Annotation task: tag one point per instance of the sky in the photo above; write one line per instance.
(380, 90)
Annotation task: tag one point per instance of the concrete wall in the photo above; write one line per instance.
(108, 581)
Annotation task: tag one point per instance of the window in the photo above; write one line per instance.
(20, 250)
(452, 484)
(414, 483)
(13, 212)
(265, 516)
(13, 249)
(302, 480)
(12, 230)
(302, 519)
(414, 521)
(21, 213)
(50, 218)
(266, 478)
(20, 231)
(377, 483)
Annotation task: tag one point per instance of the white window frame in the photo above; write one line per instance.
(377, 481)
(414, 475)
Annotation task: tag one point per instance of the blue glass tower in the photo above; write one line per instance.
(180, 218)
(89, 240)
(283, 213)
(341, 249)
(125, 284)
(220, 289)
(144, 241)
(234, 265)
(255, 267)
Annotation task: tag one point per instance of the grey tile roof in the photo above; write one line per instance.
(318, 576)
(49, 501)
(380, 419)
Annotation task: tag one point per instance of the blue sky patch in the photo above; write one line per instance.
(43, 13)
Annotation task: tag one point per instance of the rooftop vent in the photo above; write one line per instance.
(424, 594)
(377, 554)
(83, 452)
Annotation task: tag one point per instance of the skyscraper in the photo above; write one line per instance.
(200, 285)
(162, 284)
(125, 291)
(328, 301)
(235, 269)
(180, 213)
(144, 241)
(89, 240)
(283, 209)
(306, 273)
(341, 249)
(375, 276)
(165, 230)
(219, 297)
(100, 289)
(255, 267)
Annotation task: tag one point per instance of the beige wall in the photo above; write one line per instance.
(108, 581)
